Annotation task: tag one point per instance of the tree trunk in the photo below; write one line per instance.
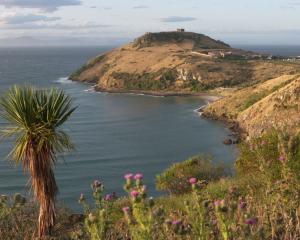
(39, 163)
(46, 218)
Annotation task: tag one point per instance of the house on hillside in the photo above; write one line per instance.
(180, 30)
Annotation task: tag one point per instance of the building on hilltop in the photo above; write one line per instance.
(180, 30)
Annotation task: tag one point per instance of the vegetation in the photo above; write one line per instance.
(175, 179)
(33, 118)
(257, 96)
(160, 80)
(86, 66)
(261, 201)
(201, 41)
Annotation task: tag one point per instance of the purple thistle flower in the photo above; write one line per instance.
(176, 222)
(126, 209)
(138, 176)
(193, 180)
(282, 158)
(108, 197)
(134, 193)
(96, 184)
(128, 176)
(251, 221)
(242, 205)
(219, 203)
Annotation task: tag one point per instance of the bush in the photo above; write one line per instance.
(175, 179)
(265, 155)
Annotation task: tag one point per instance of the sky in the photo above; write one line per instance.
(234, 21)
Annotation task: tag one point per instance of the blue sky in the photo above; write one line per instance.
(234, 21)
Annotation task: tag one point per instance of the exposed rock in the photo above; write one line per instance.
(228, 141)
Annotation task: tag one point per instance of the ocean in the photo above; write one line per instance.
(113, 133)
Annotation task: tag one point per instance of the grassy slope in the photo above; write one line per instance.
(274, 103)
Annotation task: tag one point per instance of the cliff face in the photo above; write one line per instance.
(259, 108)
(179, 62)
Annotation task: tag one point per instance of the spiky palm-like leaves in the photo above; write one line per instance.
(34, 117)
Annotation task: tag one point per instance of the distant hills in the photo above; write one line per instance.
(28, 41)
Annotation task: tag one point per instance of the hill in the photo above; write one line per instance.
(261, 107)
(181, 62)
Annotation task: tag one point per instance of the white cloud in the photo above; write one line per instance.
(29, 18)
(56, 27)
(45, 5)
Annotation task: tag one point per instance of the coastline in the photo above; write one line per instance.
(157, 93)
(236, 132)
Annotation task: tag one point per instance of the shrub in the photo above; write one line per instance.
(175, 179)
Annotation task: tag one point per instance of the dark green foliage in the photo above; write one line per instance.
(257, 96)
(86, 66)
(252, 99)
(160, 80)
(175, 179)
(201, 41)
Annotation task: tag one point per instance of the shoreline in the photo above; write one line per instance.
(158, 93)
(233, 126)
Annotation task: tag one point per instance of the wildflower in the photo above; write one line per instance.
(138, 176)
(242, 205)
(176, 222)
(134, 193)
(282, 158)
(109, 197)
(96, 185)
(251, 221)
(126, 210)
(128, 176)
(219, 203)
(193, 180)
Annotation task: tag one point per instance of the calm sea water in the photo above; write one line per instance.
(274, 50)
(114, 133)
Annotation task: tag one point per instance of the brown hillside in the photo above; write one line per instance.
(257, 109)
(178, 62)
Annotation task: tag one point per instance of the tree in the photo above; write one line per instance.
(33, 120)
